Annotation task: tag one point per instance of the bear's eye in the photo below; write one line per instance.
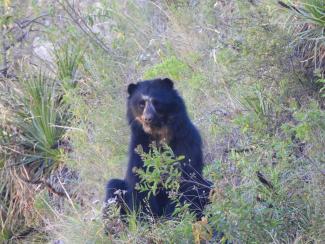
(142, 103)
(159, 106)
(155, 103)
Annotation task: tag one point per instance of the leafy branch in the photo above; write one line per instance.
(160, 170)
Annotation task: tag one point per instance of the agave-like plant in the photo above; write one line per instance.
(67, 58)
(309, 29)
(41, 121)
(314, 10)
(29, 150)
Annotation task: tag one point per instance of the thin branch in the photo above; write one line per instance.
(4, 69)
(83, 26)
(23, 24)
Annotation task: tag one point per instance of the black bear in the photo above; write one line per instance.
(157, 113)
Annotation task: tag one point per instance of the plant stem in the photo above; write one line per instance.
(4, 67)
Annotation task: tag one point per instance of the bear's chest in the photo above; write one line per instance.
(161, 135)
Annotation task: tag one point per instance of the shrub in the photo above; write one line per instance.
(160, 171)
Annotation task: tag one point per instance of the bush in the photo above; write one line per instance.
(160, 171)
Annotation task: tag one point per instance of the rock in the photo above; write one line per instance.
(43, 49)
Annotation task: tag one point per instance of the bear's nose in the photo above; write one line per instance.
(148, 119)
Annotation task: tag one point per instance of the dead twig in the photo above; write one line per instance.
(83, 26)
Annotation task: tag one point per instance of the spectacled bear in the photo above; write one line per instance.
(157, 113)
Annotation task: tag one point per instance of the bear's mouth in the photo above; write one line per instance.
(158, 131)
(149, 126)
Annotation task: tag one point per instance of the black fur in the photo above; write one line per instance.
(151, 106)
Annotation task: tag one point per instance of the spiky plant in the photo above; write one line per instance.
(31, 147)
(309, 30)
(41, 121)
(67, 58)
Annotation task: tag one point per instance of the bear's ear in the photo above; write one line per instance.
(168, 83)
(131, 88)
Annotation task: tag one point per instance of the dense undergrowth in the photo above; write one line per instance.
(251, 74)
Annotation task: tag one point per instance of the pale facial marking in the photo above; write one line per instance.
(148, 101)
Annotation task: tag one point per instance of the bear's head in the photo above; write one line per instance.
(154, 104)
